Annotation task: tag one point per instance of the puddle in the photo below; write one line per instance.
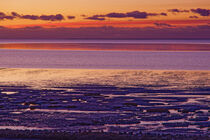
(16, 112)
(8, 92)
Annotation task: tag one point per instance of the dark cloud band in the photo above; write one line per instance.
(200, 31)
(57, 17)
(201, 12)
(178, 11)
(133, 14)
(164, 25)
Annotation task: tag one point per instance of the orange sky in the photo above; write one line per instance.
(100, 7)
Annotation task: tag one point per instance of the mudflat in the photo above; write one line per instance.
(106, 101)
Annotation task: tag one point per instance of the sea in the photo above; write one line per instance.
(106, 54)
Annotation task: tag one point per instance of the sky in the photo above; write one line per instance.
(104, 18)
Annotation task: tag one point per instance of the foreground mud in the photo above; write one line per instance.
(156, 103)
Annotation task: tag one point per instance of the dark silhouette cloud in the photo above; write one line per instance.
(133, 14)
(164, 25)
(96, 17)
(193, 16)
(202, 12)
(71, 17)
(107, 32)
(178, 11)
(137, 14)
(15, 14)
(57, 17)
(156, 14)
(34, 27)
(163, 14)
(32, 17)
(4, 16)
(116, 15)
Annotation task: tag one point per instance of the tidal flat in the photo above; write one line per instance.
(129, 102)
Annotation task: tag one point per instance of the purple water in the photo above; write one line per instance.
(154, 60)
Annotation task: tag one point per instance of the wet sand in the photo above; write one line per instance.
(130, 102)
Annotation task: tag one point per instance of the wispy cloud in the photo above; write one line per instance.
(178, 10)
(164, 25)
(193, 16)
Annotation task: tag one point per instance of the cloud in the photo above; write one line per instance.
(137, 14)
(202, 12)
(96, 17)
(163, 14)
(15, 14)
(133, 14)
(115, 15)
(156, 14)
(57, 17)
(164, 25)
(71, 17)
(4, 16)
(34, 27)
(107, 32)
(193, 16)
(32, 17)
(178, 11)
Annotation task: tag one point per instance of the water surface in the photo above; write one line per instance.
(167, 60)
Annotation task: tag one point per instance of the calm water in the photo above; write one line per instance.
(81, 41)
(105, 59)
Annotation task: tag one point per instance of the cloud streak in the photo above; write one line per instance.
(57, 17)
(164, 25)
(96, 17)
(178, 11)
(193, 16)
(133, 14)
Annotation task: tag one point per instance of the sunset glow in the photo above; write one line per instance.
(120, 14)
(84, 13)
